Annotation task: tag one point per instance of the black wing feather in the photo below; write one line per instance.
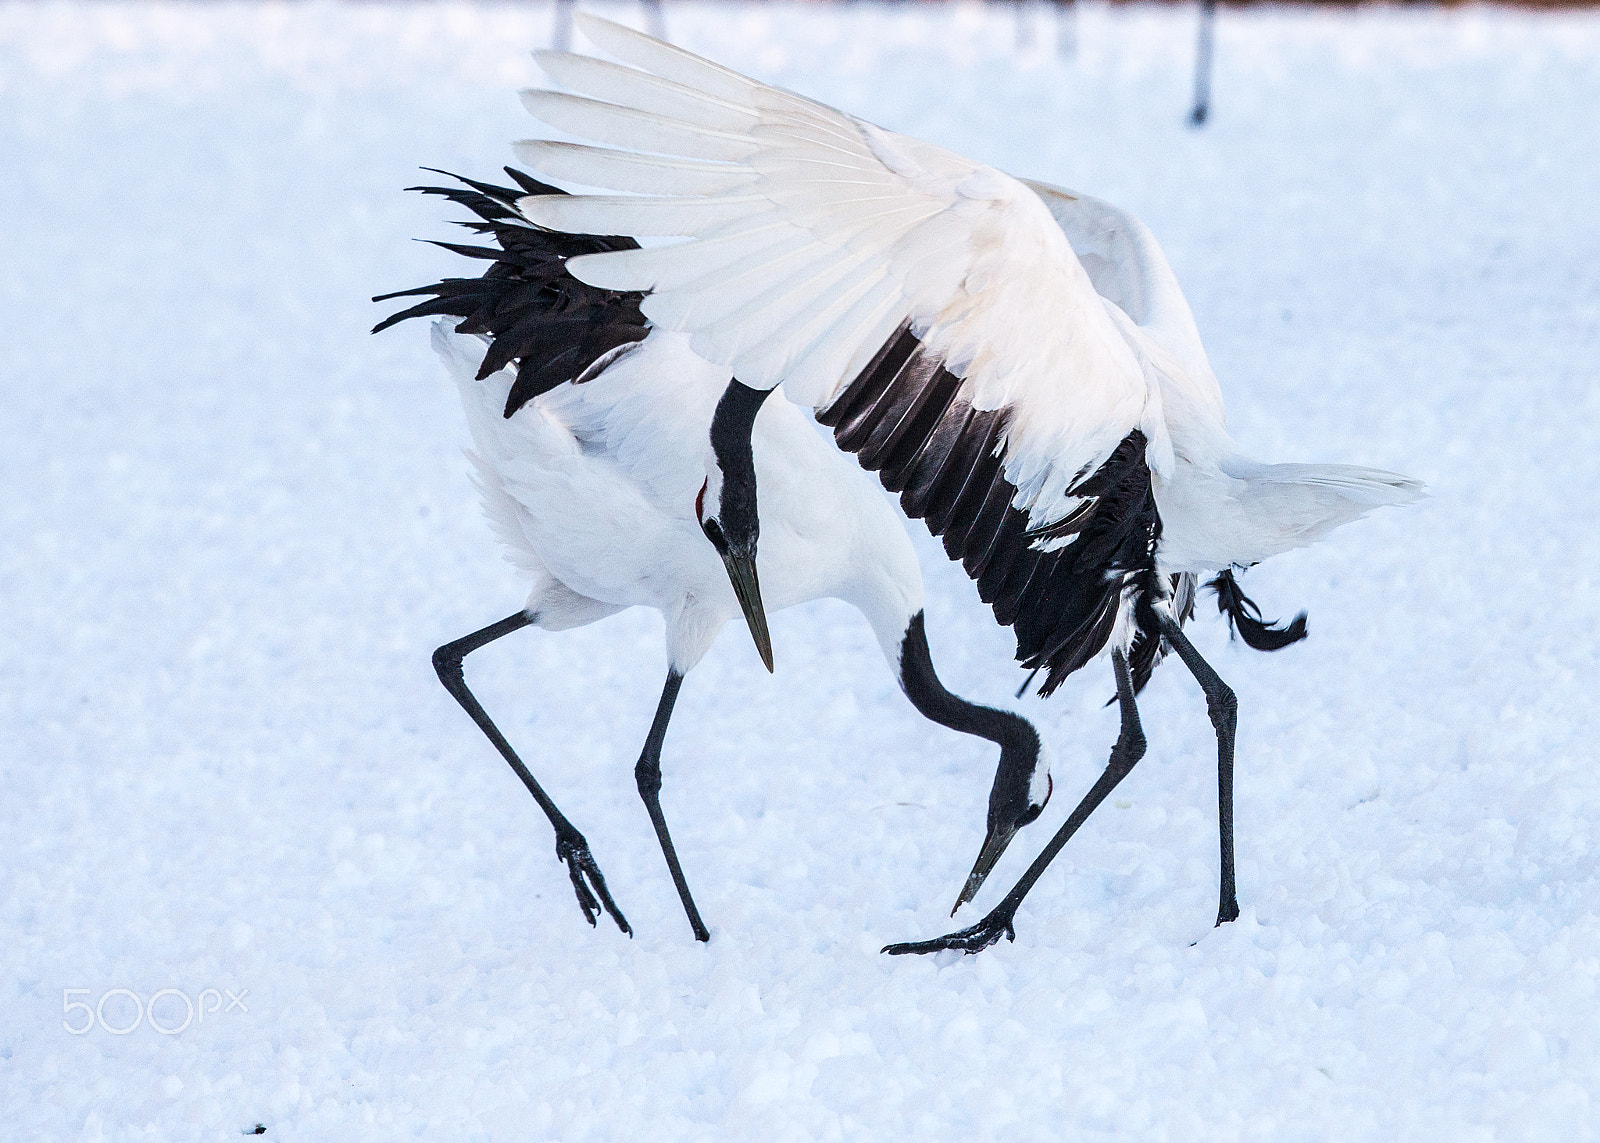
(926, 472)
(533, 312)
(904, 417)
(956, 522)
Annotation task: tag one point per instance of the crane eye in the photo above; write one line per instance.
(713, 531)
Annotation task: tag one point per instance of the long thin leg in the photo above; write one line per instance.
(570, 844)
(648, 775)
(1223, 707)
(1125, 755)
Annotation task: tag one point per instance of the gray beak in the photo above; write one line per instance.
(993, 846)
(747, 589)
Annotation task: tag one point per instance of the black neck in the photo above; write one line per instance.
(1015, 735)
(731, 427)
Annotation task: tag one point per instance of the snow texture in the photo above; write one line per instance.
(236, 526)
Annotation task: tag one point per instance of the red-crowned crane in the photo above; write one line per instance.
(1015, 359)
(608, 454)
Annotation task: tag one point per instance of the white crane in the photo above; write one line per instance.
(1015, 359)
(601, 461)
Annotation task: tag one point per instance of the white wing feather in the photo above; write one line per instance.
(1128, 269)
(812, 235)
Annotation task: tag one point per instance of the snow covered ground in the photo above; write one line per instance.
(235, 526)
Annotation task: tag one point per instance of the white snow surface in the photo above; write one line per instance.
(235, 526)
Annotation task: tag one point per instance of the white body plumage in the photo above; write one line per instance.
(1219, 507)
(596, 489)
(592, 490)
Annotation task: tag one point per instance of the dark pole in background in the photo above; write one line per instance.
(561, 37)
(1066, 28)
(1024, 25)
(654, 20)
(1202, 62)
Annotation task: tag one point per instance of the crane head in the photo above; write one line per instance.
(728, 515)
(1022, 783)
(738, 552)
(1022, 789)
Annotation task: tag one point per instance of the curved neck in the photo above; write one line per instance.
(731, 427)
(1015, 735)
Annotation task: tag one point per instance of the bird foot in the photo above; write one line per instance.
(973, 939)
(574, 850)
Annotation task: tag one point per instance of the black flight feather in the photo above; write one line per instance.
(532, 311)
(905, 417)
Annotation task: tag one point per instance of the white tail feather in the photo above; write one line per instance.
(1370, 487)
(1298, 504)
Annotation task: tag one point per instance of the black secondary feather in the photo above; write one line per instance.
(534, 313)
(905, 418)
(1245, 617)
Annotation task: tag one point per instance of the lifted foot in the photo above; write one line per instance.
(969, 940)
(574, 850)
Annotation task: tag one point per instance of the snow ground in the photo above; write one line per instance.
(235, 527)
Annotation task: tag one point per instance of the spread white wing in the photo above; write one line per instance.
(849, 263)
(1129, 270)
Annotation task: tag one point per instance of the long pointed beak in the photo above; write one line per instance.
(747, 589)
(993, 846)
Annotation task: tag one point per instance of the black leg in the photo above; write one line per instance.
(570, 844)
(1223, 708)
(648, 775)
(1124, 756)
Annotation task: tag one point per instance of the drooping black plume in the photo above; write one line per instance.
(1245, 617)
(534, 312)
